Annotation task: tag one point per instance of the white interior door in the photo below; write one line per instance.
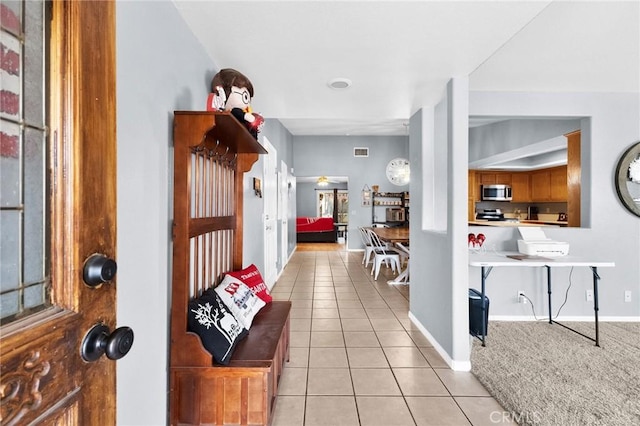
(270, 194)
(283, 209)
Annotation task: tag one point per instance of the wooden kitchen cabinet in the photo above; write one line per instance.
(558, 182)
(495, 178)
(503, 178)
(473, 195)
(540, 185)
(520, 187)
(474, 186)
(549, 184)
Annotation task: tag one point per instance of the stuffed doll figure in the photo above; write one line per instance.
(232, 91)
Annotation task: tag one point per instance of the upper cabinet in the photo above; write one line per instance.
(520, 187)
(544, 185)
(549, 184)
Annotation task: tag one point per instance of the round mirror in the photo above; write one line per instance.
(628, 179)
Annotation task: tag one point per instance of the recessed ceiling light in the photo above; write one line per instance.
(339, 83)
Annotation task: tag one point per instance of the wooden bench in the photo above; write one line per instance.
(212, 151)
(243, 392)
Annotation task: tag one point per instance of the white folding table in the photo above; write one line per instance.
(487, 261)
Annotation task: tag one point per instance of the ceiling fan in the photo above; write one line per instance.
(323, 181)
(326, 180)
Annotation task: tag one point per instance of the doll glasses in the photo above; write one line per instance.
(244, 94)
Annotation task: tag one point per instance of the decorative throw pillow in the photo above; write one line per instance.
(252, 278)
(218, 329)
(239, 299)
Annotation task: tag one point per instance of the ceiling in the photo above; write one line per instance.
(399, 55)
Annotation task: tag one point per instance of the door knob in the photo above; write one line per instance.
(99, 269)
(100, 341)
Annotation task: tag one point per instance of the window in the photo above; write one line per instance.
(325, 204)
(24, 222)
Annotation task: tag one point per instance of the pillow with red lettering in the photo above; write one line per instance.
(240, 300)
(252, 278)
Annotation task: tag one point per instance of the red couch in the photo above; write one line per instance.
(316, 230)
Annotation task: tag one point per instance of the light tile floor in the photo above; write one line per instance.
(357, 359)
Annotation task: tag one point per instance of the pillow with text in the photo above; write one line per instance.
(252, 278)
(239, 299)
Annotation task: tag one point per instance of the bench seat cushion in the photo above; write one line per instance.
(260, 345)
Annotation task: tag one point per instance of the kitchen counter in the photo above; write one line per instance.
(513, 223)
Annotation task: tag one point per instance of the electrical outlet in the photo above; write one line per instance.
(589, 295)
(521, 297)
(627, 296)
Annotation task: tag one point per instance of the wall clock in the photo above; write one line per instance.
(628, 179)
(398, 171)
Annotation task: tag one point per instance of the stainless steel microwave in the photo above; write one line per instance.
(496, 193)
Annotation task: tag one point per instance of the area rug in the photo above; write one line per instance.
(543, 374)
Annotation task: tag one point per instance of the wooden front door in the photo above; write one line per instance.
(44, 378)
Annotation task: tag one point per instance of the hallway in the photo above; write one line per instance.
(356, 358)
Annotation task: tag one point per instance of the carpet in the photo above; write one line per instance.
(543, 374)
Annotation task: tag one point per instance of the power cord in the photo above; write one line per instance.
(566, 294)
(532, 308)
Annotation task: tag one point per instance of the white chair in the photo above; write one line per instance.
(404, 254)
(368, 248)
(383, 254)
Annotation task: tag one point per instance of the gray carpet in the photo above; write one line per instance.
(546, 375)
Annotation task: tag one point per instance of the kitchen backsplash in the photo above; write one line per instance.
(546, 211)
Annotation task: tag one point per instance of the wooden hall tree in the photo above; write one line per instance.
(212, 151)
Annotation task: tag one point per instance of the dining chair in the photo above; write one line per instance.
(405, 255)
(383, 253)
(368, 247)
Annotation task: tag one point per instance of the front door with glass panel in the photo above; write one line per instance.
(58, 208)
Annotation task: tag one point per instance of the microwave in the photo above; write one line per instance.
(395, 215)
(496, 192)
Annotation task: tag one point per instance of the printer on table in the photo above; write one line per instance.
(535, 243)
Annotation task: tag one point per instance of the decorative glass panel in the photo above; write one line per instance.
(9, 164)
(34, 64)
(34, 207)
(24, 225)
(9, 251)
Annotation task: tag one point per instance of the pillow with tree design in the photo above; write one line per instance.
(218, 329)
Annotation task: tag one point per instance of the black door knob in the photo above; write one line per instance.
(99, 269)
(99, 341)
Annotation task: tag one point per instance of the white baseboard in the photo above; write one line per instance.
(590, 318)
(454, 365)
(283, 266)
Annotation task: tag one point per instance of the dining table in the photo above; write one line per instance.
(393, 236)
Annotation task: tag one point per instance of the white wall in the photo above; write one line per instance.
(158, 71)
(439, 136)
(612, 125)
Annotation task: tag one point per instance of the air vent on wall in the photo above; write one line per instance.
(360, 152)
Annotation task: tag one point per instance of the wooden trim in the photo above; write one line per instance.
(574, 176)
(210, 224)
